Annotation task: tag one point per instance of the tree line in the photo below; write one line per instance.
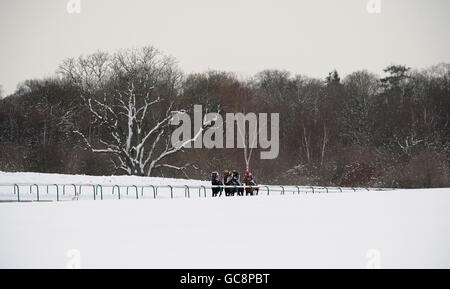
(109, 114)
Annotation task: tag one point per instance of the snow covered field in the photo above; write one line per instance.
(24, 180)
(389, 229)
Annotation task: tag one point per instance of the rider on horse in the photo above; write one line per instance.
(249, 180)
(217, 184)
(236, 179)
(228, 181)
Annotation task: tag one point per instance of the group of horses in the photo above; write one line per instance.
(232, 185)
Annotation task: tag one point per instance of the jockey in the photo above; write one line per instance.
(228, 181)
(236, 176)
(250, 181)
(249, 177)
(215, 181)
(236, 179)
(226, 177)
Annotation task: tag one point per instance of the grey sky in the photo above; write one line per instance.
(310, 37)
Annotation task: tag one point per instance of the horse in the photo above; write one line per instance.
(236, 181)
(228, 181)
(252, 190)
(217, 184)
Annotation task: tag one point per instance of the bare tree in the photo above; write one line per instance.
(130, 96)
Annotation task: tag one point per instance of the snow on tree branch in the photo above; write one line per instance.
(131, 96)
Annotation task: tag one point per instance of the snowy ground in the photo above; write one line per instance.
(389, 229)
(68, 183)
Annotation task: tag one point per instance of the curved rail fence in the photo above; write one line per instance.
(71, 192)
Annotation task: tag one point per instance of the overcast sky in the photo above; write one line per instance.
(309, 37)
